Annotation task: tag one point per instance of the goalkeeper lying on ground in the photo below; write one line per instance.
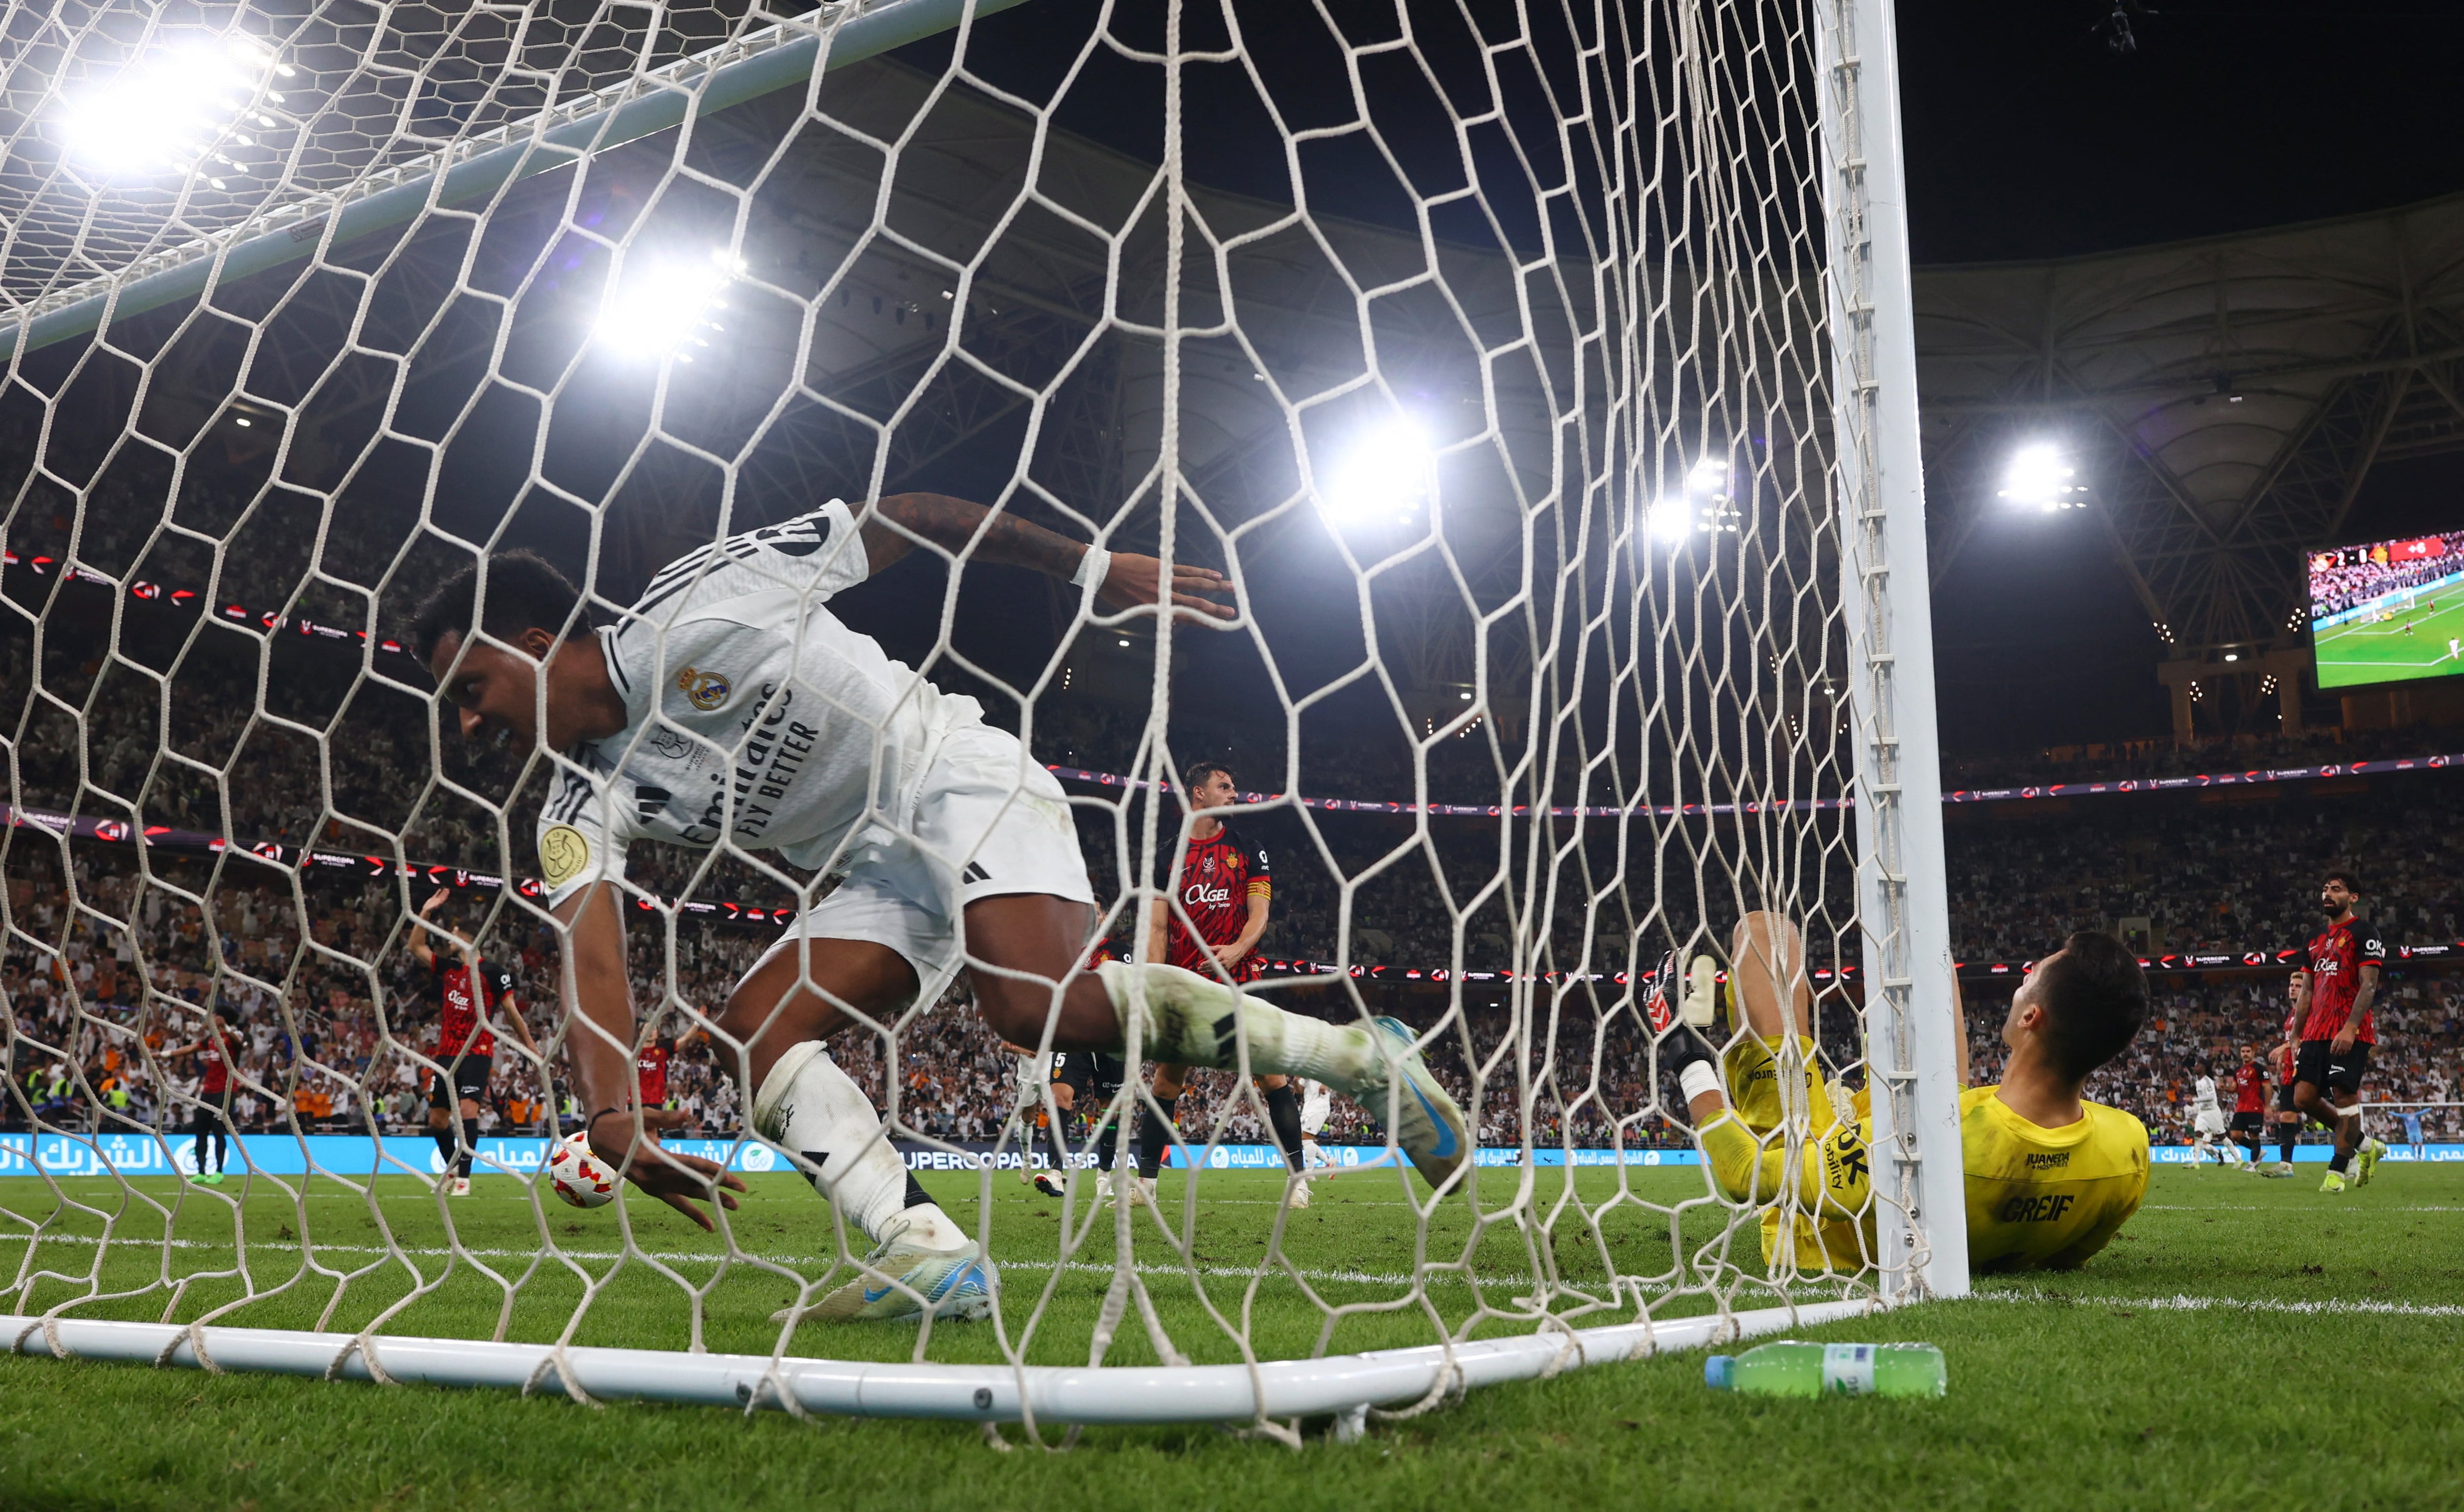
(2050, 1177)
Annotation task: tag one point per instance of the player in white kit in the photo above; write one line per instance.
(728, 705)
(1029, 1075)
(2208, 1125)
(1317, 1106)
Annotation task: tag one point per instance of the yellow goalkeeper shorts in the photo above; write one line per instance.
(1809, 1245)
(1751, 1069)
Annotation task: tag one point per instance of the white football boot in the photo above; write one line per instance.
(902, 1279)
(1431, 1132)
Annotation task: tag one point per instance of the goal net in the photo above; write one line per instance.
(1539, 381)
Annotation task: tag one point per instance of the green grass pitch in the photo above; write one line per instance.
(2373, 650)
(2242, 1341)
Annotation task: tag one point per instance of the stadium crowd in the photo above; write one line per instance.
(1391, 889)
(2154, 759)
(2179, 879)
(328, 1057)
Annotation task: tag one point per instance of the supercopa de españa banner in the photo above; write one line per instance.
(356, 1156)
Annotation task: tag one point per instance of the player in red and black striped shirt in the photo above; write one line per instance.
(651, 1070)
(2250, 1104)
(1218, 890)
(470, 993)
(2330, 1023)
(2288, 1118)
(212, 1117)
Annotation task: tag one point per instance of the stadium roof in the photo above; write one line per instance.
(2227, 395)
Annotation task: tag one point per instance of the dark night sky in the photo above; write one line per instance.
(2029, 135)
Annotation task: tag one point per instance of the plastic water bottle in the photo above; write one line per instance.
(1790, 1368)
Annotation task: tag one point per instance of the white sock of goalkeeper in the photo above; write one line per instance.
(1193, 1020)
(807, 1104)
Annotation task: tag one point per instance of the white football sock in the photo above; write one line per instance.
(810, 1106)
(1192, 1021)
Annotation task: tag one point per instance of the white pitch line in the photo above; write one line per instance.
(1204, 1203)
(2254, 1206)
(2186, 1302)
(1360, 1277)
(279, 1202)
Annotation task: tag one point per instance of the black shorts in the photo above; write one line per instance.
(2284, 1099)
(2318, 1064)
(2248, 1122)
(466, 1076)
(1088, 1074)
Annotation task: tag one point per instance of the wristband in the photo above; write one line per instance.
(592, 1121)
(1092, 568)
(1697, 1079)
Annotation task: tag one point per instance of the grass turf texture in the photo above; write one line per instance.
(2089, 1389)
(2374, 650)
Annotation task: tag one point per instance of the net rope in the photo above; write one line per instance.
(1507, 417)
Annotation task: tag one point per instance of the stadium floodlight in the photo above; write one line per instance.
(1703, 506)
(171, 111)
(666, 306)
(2040, 477)
(1388, 477)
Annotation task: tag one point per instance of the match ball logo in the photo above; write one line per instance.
(704, 691)
(578, 1176)
(562, 854)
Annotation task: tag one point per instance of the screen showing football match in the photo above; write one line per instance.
(2389, 611)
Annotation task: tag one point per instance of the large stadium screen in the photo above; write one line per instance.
(2390, 611)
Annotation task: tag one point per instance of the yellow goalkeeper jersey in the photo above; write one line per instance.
(2046, 1197)
(2037, 1197)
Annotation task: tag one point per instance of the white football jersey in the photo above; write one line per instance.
(1316, 1105)
(756, 717)
(2203, 1093)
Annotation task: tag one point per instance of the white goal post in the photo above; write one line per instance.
(1901, 876)
(1565, 475)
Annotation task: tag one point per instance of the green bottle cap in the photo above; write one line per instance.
(1720, 1371)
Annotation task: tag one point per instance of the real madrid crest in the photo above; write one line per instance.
(704, 691)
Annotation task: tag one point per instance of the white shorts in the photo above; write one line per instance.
(1317, 1104)
(986, 822)
(2209, 1121)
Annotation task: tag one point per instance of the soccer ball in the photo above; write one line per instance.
(579, 1176)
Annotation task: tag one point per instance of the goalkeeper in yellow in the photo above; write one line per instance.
(2050, 1177)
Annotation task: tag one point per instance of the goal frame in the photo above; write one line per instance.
(782, 55)
(1904, 903)
(1901, 898)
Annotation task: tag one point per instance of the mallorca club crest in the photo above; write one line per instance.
(704, 691)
